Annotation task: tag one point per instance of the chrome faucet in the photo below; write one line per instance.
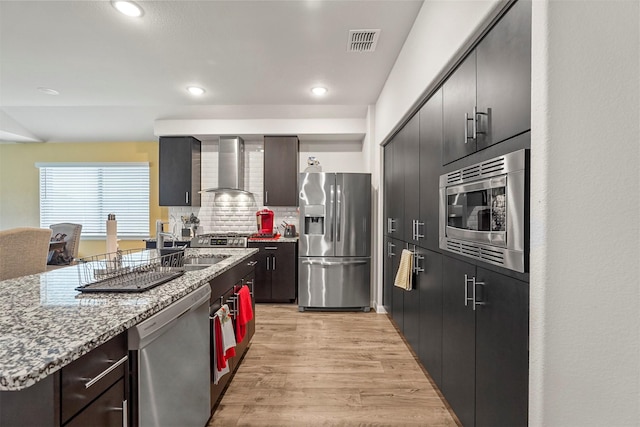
(161, 234)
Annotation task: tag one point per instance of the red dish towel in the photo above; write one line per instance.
(245, 313)
(221, 362)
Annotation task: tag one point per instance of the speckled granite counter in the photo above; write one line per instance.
(46, 324)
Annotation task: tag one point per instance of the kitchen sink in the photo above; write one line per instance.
(199, 262)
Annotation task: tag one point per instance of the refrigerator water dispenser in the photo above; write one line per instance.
(314, 219)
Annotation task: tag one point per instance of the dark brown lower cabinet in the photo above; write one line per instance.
(391, 260)
(429, 284)
(458, 341)
(276, 272)
(224, 290)
(90, 391)
(485, 345)
(107, 410)
(411, 312)
(393, 296)
(502, 351)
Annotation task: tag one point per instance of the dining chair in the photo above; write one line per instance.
(72, 238)
(23, 251)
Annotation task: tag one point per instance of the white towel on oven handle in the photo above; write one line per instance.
(228, 334)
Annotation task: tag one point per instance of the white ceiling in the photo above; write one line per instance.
(257, 60)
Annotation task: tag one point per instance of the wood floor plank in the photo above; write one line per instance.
(329, 369)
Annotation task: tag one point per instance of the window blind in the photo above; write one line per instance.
(85, 193)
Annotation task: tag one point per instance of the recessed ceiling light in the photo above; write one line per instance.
(48, 91)
(319, 91)
(128, 8)
(195, 90)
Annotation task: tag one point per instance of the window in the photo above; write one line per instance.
(85, 193)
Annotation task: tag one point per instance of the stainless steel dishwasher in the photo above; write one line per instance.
(170, 364)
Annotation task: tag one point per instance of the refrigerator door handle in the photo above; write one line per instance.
(338, 213)
(331, 201)
(330, 263)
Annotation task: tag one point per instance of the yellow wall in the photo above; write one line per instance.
(19, 181)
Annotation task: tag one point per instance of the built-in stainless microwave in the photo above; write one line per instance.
(482, 211)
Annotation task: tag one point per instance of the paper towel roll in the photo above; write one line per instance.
(112, 236)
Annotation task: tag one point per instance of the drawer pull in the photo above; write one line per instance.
(106, 372)
(252, 263)
(125, 412)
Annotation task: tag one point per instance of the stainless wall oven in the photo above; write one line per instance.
(482, 211)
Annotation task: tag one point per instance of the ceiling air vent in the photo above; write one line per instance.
(362, 40)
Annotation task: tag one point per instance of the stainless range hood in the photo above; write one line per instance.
(230, 167)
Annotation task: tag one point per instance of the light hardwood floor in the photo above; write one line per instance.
(329, 368)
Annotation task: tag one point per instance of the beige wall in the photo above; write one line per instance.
(19, 187)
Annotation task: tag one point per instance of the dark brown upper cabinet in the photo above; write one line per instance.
(504, 77)
(487, 99)
(281, 171)
(180, 166)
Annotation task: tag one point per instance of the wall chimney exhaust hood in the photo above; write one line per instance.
(230, 167)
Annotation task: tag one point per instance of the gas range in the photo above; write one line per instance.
(228, 240)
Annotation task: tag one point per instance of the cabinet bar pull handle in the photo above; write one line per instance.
(252, 263)
(266, 197)
(268, 262)
(390, 247)
(186, 197)
(418, 225)
(475, 302)
(476, 115)
(466, 290)
(466, 127)
(271, 248)
(274, 262)
(105, 372)
(125, 413)
(474, 125)
(416, 258)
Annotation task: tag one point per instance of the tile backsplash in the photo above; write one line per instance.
(222, 213)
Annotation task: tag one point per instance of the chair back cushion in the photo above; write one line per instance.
(23, 251)
(72, 236)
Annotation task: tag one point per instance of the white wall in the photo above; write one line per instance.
(336, 161)
(439, 30)
(585, 214)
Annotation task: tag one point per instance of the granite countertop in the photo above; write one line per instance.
(46, 324)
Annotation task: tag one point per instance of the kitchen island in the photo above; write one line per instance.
(46, 324)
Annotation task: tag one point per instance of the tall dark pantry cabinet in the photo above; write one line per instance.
(476, 352)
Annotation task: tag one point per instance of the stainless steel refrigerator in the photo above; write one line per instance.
(334, 264)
